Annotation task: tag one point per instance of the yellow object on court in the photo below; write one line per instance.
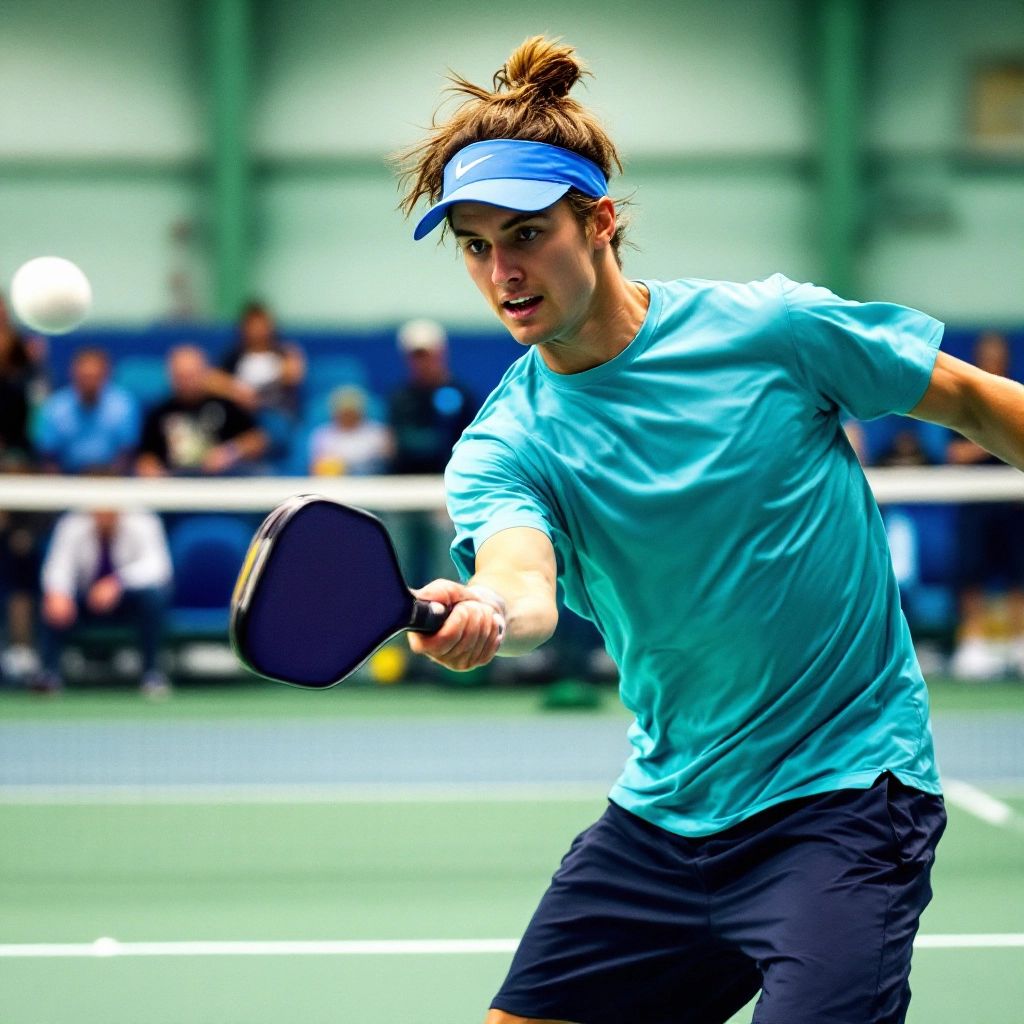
(387, 665)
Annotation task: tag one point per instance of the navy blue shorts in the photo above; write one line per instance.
(813, 903)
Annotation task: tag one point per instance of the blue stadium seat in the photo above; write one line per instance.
(327, 372)
(207, 552)
(144, 376)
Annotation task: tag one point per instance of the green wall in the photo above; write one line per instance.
(107, 154)
(101, 142)
(944, 230)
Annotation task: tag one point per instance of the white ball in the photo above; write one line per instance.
(50, 294)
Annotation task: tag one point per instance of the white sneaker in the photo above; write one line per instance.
(978, 661)
(1015, 657)
(126, 662)
(19, 662)
(155, 686)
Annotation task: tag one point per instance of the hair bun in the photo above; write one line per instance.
(542, 67)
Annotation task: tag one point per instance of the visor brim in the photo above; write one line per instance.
(516, 194)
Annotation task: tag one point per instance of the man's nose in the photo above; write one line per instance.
(505, 268)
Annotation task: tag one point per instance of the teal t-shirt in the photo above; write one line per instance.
(709, 516)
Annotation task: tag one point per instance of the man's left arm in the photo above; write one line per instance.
(987, 409)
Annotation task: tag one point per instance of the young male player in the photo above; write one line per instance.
(670, 453)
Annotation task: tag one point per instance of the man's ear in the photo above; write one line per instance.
(602, 223)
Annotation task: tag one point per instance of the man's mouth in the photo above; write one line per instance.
(521, 307)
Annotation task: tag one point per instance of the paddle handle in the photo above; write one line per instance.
(425, 617)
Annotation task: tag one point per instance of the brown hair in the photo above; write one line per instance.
(529, 100)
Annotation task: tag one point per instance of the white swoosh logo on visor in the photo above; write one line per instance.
(461, 168)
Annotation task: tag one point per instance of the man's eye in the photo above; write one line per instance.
(528, 234)
(475, 246)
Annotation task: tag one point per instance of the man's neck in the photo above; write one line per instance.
(614, 319)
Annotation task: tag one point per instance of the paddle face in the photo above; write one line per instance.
(320, 591)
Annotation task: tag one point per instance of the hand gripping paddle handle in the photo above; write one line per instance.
(426, 618)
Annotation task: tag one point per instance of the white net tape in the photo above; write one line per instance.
(421, 493)
(230, 494)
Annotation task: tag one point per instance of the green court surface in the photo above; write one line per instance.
(185, 880)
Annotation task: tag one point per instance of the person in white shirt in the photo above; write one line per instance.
(106, 567)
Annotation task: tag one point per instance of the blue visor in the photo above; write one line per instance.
(515, 175)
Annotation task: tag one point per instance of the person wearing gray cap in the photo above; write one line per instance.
(429, 412)
(427, 415)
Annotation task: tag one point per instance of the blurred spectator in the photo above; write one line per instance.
(21, 381)
(429, 413)
(350, 444)
(262, 374)
(22, 386)
(21, 538)
(905, 449)
(92, 424)
(23, 356)
(902, 443)
(194, 432)
(110, 568)
(990, 543)
(15, 446)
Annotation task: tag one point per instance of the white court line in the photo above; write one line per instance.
(962, 794)
(1004, 940)
(246, 793)
(108, 947)
(979, 803)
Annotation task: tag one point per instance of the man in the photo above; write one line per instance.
(194, 432)
(428, 413)
(671, 454)
(105, 568)
(90, 425)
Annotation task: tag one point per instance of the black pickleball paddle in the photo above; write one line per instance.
(320, 590)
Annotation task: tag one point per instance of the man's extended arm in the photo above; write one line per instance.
(987, 409)
(509, 603)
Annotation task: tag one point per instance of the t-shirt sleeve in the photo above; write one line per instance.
(867, 358)
(487, 492)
